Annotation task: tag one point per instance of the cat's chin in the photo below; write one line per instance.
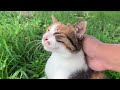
(48, 49)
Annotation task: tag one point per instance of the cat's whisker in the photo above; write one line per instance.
(38, 47)
(32, 42)
(32, 47)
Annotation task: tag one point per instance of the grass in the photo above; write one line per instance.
(21, 54)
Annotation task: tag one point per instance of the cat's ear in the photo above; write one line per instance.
(54, 19)
(81, 28)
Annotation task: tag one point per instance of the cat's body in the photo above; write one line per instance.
(67, 60)
(63, 66)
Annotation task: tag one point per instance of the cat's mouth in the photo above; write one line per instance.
(47, 43)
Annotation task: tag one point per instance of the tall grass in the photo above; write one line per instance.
(21, 53)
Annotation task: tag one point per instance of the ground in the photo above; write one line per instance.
(21, 52)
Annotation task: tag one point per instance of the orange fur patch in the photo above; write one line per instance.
(67, 35)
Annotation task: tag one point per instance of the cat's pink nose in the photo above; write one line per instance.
(45, 39)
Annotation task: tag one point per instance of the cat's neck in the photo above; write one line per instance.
(63, 55)
(68, 54)
(77, 59)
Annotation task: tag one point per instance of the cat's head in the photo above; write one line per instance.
(63, 38)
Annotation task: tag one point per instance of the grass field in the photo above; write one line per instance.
(21, 52)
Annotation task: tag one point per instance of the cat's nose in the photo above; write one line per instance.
(45, 38)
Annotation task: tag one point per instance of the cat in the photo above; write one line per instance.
(67, 60)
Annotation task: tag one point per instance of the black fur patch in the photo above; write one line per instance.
(81, 74)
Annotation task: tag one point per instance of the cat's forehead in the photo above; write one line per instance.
(56, 24)
(67, 29)
(60, 27)
(53, 27)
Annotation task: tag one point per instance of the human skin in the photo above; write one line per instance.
(101, 56)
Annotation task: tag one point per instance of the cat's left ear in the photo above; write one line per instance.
(54, 19)
(81, 28)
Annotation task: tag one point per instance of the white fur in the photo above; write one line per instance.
(61, 66)
(54, 27)
(51, 38)
(62, 62)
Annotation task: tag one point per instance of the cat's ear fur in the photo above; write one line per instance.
(54, 19)
(80, 28)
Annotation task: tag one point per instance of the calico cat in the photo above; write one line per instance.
(67, 60)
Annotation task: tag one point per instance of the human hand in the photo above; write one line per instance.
(92, 49)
